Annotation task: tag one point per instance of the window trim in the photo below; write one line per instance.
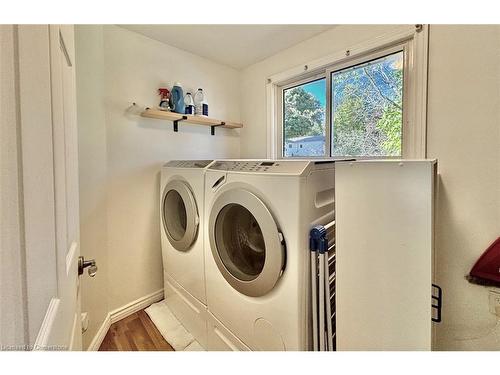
(415, 86)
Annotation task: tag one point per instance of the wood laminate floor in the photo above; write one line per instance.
(133, 333)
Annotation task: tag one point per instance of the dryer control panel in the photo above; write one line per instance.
(187, 163)
(293, 167)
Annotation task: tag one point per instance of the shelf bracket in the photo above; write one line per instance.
(176, 123)
(212, 128)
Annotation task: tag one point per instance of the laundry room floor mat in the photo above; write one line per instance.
(171, 329)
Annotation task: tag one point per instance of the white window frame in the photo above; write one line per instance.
(414, 41)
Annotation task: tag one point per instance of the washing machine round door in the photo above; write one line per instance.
(179, 215)
(246, 244)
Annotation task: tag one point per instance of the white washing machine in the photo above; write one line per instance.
(258, 217)
(181, 215)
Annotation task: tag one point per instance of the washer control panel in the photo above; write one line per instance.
(260, 166)
(188, 163)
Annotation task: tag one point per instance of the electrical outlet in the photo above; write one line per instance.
(494, 302)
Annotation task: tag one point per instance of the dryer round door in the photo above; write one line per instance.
(179, 215)
(245, 241)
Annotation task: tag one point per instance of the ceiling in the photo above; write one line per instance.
(235, 45)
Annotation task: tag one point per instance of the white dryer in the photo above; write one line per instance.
(181, 216)
(258, 217)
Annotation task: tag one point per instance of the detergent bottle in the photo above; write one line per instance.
(177, 99)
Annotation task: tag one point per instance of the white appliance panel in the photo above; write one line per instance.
(384, 239)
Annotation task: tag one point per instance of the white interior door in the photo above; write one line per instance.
(66, 329)
(40, 182)
(384, 250)
(61, 326)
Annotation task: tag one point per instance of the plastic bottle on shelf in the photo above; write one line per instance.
(198, 100)
(204, 106)
(189, 104)
(176, 98)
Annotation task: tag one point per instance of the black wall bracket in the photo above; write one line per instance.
(212, 128)
(437, 303)
(176, 123)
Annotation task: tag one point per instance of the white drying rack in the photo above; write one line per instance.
(322, 247)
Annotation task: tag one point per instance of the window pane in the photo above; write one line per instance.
(304, 119)
(367, 108)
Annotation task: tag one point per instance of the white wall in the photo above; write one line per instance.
(135, 66)
(463, 134)
(132, 69)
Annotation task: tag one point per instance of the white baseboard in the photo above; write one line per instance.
(134, 306)
(121, 313)
(100, 334)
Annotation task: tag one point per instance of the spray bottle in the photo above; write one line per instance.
(164, 101)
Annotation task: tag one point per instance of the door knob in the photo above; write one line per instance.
(91, 264)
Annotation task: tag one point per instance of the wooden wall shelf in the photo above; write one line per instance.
(191, 119)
